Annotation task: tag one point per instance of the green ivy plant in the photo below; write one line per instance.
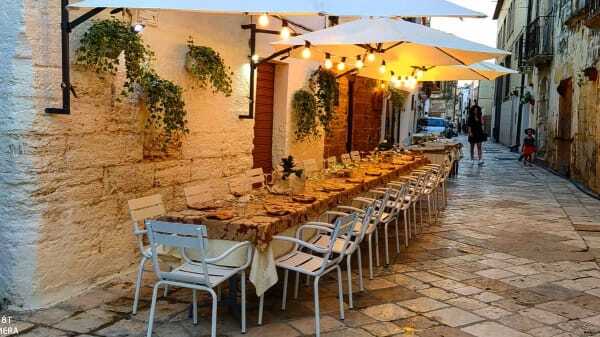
(397, 97)
(304, 106)
(323, 84)
(165, 105)
(208, 67)
(102, 45)
(100, 49)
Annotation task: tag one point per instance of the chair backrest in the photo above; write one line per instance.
(199, 194)
(182, 237)
(360, 236)
(343, 228)
(256, 176)
(380, 205)
(240, 185)
(310, 166)
(346, 159)
(355, 155)
(142, 209)
(331, 162)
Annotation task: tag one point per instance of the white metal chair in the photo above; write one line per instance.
(199, 194)
(355, 155)
(358, 235)
(140, 210)
(240, 185)
(257, 176)
(346, 159)
(310, 167)
(311, 260)
(203, 274)
(331, 162)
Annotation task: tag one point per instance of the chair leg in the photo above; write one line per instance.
(349, 270)
(138, 285)
(370, 257)
(285, 283)
(296, 285)
(166, 293)
(317, 313)
(397, 235)
(152, 310)
(429, 209)
(243, 289)
(261, 304)
(414, 205)
(213, 328)
(377, 246)
(361, 285)
(195, 306)
(406, 230)
(386, 244)
(340, 291)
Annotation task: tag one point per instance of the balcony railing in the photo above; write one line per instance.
(593, 19)
(539, 44)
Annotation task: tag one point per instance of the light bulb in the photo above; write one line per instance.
(342, 65)
(359, 63)
(394, 77)
(382, 85)
(419, 73)
(328, 63)
(263, 20)
(285, 30)
(138, 28)
(255, 58)
(306, 53)
(382, 67)
(371, 57)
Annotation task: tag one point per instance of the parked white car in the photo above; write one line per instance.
(432, 125)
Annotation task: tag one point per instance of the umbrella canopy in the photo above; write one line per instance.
(406, 8)
(401, 44)
(478, 71)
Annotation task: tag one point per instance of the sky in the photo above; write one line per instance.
(478, 30)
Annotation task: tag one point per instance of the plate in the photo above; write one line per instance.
(355, 181)
(374, 174)
(304, 199)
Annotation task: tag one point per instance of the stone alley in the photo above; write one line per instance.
(504, 260)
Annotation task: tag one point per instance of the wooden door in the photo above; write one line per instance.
(263, 118)
(563, 134)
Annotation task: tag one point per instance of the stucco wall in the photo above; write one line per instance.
(66, 179)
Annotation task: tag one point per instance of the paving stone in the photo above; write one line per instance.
(422, 304)
(543, 316)
(49, 316)
(271, 330)
(387, 312)
(595, 320)
(453, 317)
(424, 276)
(492, 329)
(45, 332)
(466, 291)
(500, 264)
(354, 332)
(383, 329)
(566, 309)
(492, 312)
(355, 319)
(499, 256)
(579, 328)
(417, 322)
(467, 303)
(448, 284)
(86, 321)
(495, 274)
(546, 331)
(520, 322)
(581, 284)
(123, 328)
(442, 331)
(555, 292)
(487, 297)
(522, 270)
(306, 325)
(437, 293)
(595, 292)
(407, 282)
(586, 301)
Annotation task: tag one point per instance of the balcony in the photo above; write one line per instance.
(574, 12)
(539, 44)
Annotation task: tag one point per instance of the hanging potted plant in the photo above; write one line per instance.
(323, 83)
(397, 97)
(208, 67)
(304, 106)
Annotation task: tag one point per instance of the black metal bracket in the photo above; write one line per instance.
(66, 27)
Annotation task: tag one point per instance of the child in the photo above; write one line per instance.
(529, 148)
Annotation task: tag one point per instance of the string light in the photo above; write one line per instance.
(382, 85)
(328, 62)
(306, 51)
(394, 78)
(263, 20)
(342, 65)
(255, 58)
(359, 62)
(285, 30)
(371, 56)
(382, 67)
(419, 73)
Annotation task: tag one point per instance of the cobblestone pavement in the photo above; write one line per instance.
(504, 260)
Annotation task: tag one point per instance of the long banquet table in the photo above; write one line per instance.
(251, 220)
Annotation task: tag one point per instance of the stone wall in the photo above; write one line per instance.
(366, 115)
(336, 141)
(66, 179)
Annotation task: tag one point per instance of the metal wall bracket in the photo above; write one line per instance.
(66, 27)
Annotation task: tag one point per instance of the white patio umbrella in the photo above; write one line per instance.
(401, 44)
(406, 8)
(477, 71)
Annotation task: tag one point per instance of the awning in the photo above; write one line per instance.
(383, 8)
(401, 44)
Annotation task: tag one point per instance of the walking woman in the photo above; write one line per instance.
(476, 134)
